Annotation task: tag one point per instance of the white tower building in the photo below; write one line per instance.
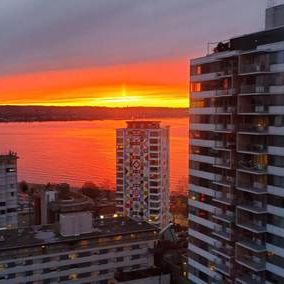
(142, 190)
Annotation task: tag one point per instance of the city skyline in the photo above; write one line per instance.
(117, 55)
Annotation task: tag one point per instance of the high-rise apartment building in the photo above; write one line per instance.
(142, 173)
(236, 174)
(8, 191)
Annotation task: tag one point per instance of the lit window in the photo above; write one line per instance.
(73, 256)
(73, 276)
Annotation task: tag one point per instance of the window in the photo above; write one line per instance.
(103, 261)
(119, 259)
(73, 276)
(136, 256)
(102, 251)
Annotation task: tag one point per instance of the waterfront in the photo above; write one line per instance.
(80, 151)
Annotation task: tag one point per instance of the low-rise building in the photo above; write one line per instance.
(43, 255)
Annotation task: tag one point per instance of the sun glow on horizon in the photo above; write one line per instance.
(154, 84)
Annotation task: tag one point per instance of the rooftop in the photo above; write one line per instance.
(49, 234)
(143, 124)
(8, 156)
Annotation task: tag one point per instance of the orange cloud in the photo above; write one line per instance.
(156, 83)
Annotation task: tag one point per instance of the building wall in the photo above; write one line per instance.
(8, 191)
(143, 174)
(236, 180)
(274, 17)
(91, 261)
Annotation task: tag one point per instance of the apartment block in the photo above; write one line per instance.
(8, 191)
(78, 250)
(236, 172)
(142, 190)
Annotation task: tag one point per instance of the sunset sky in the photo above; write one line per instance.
(111, 52)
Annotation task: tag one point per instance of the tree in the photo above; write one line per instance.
(23, 186)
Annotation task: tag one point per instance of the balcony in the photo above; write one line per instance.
(252, 262)
(224, 197)
(202, 111)
(223, 233)
(255, 246)
(254, 90)
(253, 109)
(226, 181)
(225, 92)
(224, 250)
(255, 187)
(202, 126)
(225, 110)
(224, 127)
(224, 268)
(222, 163)
(251, 167)
(252, 226)
(252, 148)
(254, 68)
(251, 129)
(224, 145)
(256, 207)
(250, 279)
(226, 216)
(203, 94)
(209, 76)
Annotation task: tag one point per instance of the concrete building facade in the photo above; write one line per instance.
(236, 174)
(44, 254)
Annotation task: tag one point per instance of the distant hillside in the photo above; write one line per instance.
(47, 113)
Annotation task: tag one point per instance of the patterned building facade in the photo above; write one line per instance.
(143, 172)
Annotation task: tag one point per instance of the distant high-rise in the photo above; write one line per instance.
(8, 191)
(142, 172)
(236, 174)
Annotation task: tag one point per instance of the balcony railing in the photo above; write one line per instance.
(250, 279)
(224, 127)
(224, 216)
(248, 108)
(254, 89)
(253, 226)
(224, 197)
(253, 148)
(253, 262)
(255, 68)
(224, 233)
(225, 145)
(258, 129)
(254, 206)
(255, 187)
(224, 250)
(224, 180)
(251, 167)
(222, 162)
(225, 110)
(225, 92)
(256, 246)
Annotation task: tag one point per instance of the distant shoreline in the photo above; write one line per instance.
(10, 114)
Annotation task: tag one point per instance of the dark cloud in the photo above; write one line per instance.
(56, 34)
